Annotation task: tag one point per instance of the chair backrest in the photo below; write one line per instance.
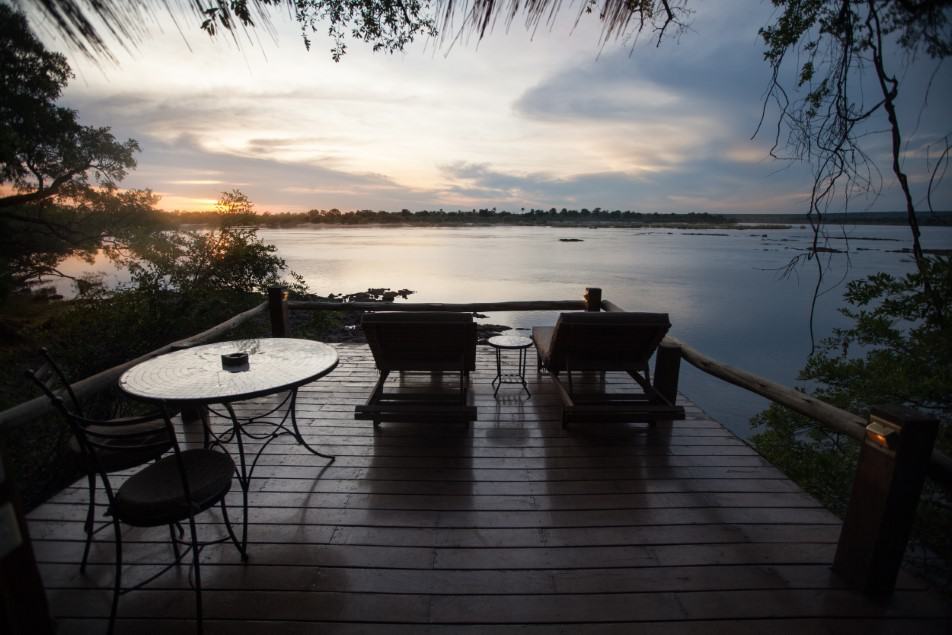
(131, 435)
(421, 340)
(111, 444)
(53, 382)
(606, 341)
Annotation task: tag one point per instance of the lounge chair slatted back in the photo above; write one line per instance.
(421, 340)
(426, 341)
(604, 341)
(617, 341)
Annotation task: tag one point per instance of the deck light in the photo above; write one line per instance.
(883, 433)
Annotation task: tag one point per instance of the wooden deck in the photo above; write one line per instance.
(509, 525)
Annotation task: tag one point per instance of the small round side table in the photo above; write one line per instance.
(510, 343)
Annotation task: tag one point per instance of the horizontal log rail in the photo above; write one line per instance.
(836, 419)
(466, 307)
(41, 406)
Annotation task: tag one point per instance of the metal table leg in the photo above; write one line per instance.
(237, 433)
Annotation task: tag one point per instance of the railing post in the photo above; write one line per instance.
(278, 310)
(593, 299)
(893, 461)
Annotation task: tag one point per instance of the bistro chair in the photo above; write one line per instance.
(170, 491)
(618, 341)
(117, 453)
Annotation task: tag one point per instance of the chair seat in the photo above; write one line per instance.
(121, 452)
(154, 496)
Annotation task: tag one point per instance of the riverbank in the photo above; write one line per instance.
(278, 221)
(581, 218)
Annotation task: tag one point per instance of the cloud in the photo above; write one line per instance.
(666, 107)
(196, 182)
(272, 185)
(716, 66)
(550, 123)
(697, 186)
(269, 146)
(653, 111)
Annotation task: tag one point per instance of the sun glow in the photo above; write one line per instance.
(172, 202)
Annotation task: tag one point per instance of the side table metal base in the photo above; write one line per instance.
(513, 343)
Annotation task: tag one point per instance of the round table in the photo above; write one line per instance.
(514, 343)
(199, 376)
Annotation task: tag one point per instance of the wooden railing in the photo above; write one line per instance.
(833, 418)
(461, 307)
(837, 419)
(467, 307)
(41, 406)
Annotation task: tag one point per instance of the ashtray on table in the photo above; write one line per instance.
(234, 361)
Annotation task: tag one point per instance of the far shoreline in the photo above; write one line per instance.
(521, 225)
(564, 219)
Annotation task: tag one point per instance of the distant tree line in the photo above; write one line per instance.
(551, 216)
(490, 216)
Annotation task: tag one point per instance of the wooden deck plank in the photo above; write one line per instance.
(829, 626)
(511, 524)
(512, 608)
(485, 582)
(517, 502)
(457, 519)
(493, 537)
(73, 495)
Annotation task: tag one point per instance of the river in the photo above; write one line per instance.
(722, 289)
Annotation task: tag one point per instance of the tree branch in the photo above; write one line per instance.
(889, 86)
(38, 195)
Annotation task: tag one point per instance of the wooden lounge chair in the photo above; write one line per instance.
(612, 342)
(434, 342)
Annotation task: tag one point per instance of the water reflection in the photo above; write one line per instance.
(721, 288)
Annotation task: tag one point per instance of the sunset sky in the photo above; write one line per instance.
(515, 121)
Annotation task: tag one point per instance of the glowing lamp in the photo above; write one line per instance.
(883, 433)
